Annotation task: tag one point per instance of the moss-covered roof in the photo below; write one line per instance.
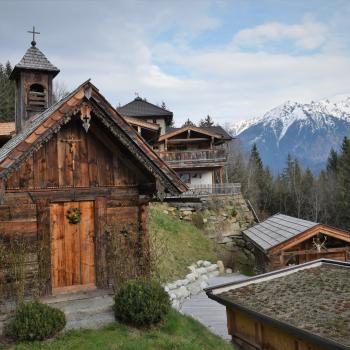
(316, 300)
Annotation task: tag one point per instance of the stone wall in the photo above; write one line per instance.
(222, 218)
(193, 283)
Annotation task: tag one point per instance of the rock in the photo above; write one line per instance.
(221, 267)
(187, 213)
(182, 292)
(204, 278)
(213, 274)
(192, 268)
(199, 263)
(171, 286)
(228, 271)
(187, 218)
(206, 263)
(175, 304)
(172, 296)
(195, 288)
(212, 268)
(204, 285)
(191, 277)
(205, 220)
(201, 270)
(165, 212)
(166, 289)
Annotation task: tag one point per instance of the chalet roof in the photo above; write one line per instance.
(135, 121)
(217, 131)
(42, 126)
(7, 128)
(143, 109)
(309, 300)
(277, 229)
(34, 59)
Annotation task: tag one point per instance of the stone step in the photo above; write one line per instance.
(79, 309)
(91, 322)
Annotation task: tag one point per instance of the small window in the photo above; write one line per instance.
(154, 121)
(186, 178)
(36, 97)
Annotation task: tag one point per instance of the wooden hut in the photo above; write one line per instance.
(283, 240)
(303, 307)
(72, 169)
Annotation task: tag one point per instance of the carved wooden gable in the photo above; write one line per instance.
(82, 142)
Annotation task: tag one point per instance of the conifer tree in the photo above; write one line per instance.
(7, 94)
(206, 122)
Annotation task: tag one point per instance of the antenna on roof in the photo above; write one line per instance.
(33, 32)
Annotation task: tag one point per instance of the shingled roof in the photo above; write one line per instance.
(34, 59)
(140, 108)
(41, 126)
(277, 229)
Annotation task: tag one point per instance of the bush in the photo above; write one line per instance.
(141, 303)
(35, 321)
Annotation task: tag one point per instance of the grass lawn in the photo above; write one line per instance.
(178, 332)
(179, 244)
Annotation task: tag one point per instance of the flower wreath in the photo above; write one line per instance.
(73, 215)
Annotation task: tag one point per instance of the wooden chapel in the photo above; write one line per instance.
(72, 168)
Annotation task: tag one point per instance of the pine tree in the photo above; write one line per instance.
(7, 94)
(344, 185)
(188, 122)
(206, 122)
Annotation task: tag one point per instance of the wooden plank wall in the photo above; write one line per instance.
(104, 172)
(91, 161)
(251, 334)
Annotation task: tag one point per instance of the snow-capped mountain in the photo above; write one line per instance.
(307, 131)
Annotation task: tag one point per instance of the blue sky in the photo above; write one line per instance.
(231, 59)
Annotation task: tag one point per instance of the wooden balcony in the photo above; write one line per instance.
(197, 191)
(195, 158)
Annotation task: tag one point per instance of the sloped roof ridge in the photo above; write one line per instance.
(34, 59)
(133, 108)
(34, 123)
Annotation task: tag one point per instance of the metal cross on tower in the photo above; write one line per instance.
(33, 32)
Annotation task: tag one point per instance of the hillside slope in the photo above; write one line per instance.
(307, 131)
(176, 244)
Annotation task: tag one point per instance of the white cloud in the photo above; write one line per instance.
(117, 48)
(307, 35)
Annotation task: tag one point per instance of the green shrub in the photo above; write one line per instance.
(141, 303)
(35, 321)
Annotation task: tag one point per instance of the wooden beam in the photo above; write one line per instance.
(101, 243)
(303, 236)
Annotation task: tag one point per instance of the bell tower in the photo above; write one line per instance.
(33, 76)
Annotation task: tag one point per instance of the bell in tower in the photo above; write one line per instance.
(33, 76)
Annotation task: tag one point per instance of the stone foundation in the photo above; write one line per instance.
(193, 283)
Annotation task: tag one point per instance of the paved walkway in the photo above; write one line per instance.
(209, 312)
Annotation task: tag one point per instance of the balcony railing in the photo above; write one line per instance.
(227, 189)
(195, 156)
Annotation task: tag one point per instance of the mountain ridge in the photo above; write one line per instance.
(305, 130)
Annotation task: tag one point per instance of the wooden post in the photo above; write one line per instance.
(144, 249)
(44, 245)
(101, 266)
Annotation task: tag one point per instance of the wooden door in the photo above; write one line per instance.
(72, 247)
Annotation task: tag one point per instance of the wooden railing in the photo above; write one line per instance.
(227, 189)
(195, 156)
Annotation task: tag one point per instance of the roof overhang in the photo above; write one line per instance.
(190, 128)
